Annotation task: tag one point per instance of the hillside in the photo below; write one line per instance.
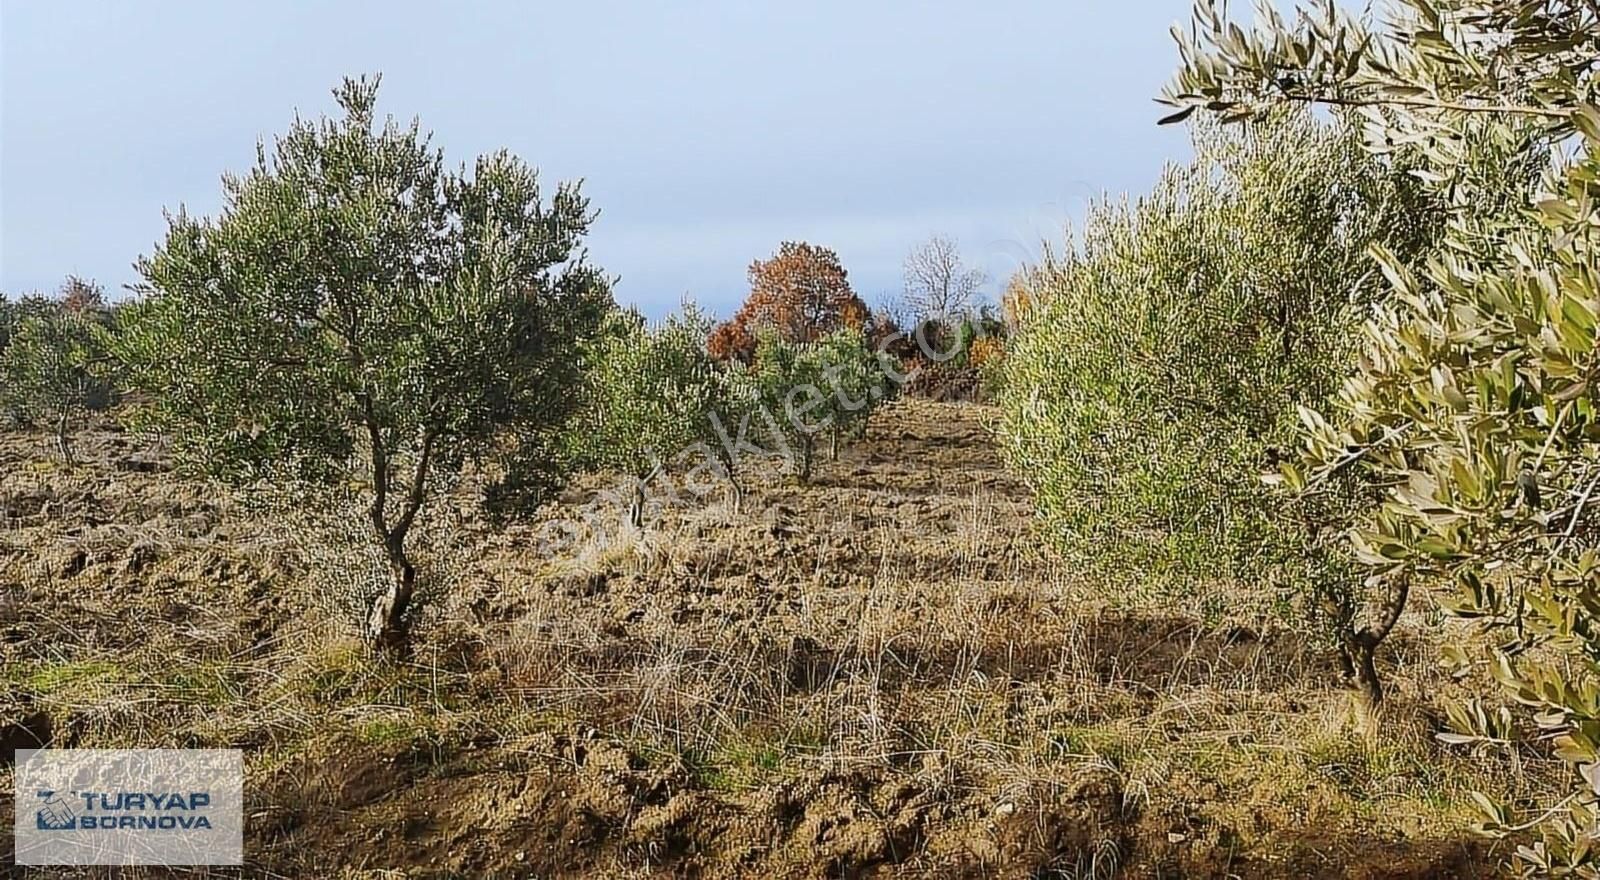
(881, 674)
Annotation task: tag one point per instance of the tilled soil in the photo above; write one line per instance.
(882, 673)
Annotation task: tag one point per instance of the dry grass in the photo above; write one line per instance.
(883, 673)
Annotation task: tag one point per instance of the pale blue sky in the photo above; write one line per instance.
(707, 132)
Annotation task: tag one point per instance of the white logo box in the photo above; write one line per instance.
(129, 807)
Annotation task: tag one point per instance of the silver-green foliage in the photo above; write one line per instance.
(649, 392)
(860, 378)
(357, 304)
(829, 387)
(1166, 350)
(10, 316)
(53, 370)
(1476, 405)
(14, 312)
(651, 395)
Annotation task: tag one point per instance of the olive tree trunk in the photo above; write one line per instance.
(1358, 648)
(808, 450)
(730, 473)
(636, 506)
(388, 618)
(64, 439)
(388, 621)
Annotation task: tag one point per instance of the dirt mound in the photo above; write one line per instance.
(574, 805)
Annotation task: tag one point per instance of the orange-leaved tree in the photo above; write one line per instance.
(802, 292)
(1017, 302)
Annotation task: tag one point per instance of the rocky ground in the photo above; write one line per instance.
(884, 673)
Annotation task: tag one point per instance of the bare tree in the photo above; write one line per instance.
(894, 308)
(938, 284)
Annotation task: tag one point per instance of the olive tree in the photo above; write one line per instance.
(806, 390)
(1158, 369)
(860, 379)
(14, 312)
(1474, 405)
(359, 311)
(10, 317)
(52, 371)
(649, 395)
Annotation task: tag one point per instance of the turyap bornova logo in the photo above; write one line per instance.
(143, 810)
(130, 807)
(55, 815)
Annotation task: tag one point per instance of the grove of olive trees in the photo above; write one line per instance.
(1159, 584)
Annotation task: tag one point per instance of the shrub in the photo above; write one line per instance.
(1156, 368)
(356, 311)
(944, 381)
(988, 357)
(951, 359)
(985, 352)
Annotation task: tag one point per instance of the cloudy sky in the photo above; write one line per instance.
(706, 132)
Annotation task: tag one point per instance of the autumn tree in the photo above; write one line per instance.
(1017, 301)
(82, 296)
(938, 285)
(361, 313)
(802, 294)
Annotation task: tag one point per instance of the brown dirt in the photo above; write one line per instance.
(880, 674)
